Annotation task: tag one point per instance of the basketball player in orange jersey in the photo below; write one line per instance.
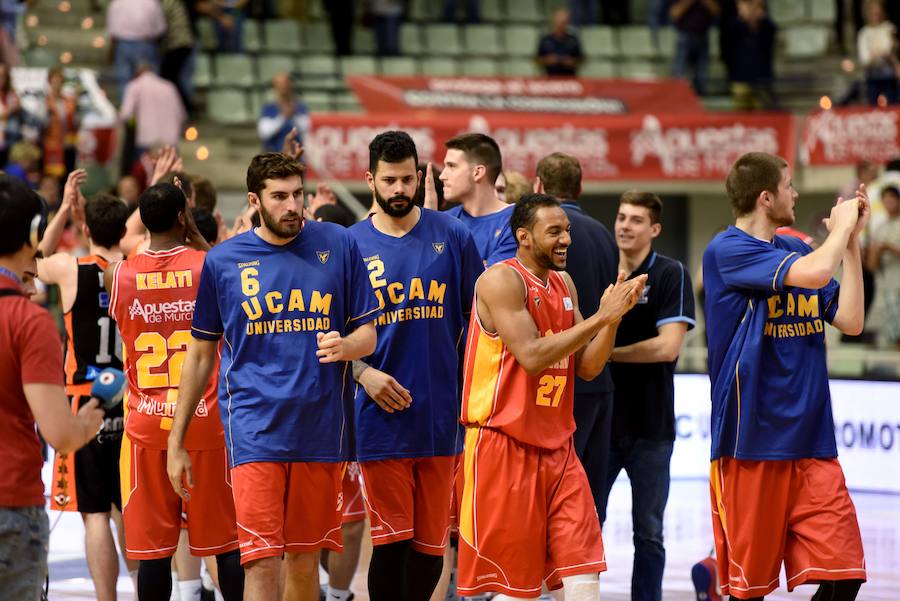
(88, 480)
(527, 513)
(152, 298)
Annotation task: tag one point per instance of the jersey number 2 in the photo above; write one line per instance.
(156, 351)
(550, 390)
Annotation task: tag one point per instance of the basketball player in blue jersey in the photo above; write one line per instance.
(777, 489)
(292, 303)
(471, 167)
(423, 265)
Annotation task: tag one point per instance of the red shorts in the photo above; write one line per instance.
(152, 511)
(409, 499)
(354, 507)
(527, 516)
(287, 508)
(799, 512)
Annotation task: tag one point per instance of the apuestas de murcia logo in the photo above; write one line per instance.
(158, 312)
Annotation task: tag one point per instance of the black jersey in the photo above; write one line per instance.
(93, 338)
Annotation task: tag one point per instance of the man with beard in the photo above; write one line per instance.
(527, 511)
(777, 489)
(292, 302)
(423, 265)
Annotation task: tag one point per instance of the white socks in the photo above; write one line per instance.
(337, 594)
(189, 590)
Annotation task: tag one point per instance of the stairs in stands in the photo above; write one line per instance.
(66, 32)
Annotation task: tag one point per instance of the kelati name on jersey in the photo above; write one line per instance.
(265, 309)
(163, 280)
(789, 305)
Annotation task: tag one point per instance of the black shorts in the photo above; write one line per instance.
(97, 465)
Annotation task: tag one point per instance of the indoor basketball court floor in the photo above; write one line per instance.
(688, 535)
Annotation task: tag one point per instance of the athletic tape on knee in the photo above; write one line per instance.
(582, 587)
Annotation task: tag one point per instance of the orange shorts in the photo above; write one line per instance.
(354, 507)
(409, 499)
(766, 512)
(153, 512)
(287, 508)
(527, 516)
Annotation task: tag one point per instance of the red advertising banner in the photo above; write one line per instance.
(428, 95)
(847, 135)
(627, 147)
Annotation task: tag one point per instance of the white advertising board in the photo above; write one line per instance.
(866, 422)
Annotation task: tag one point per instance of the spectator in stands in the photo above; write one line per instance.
(128, 189)
(135, 27)
(387, 15)
(877, 45)
(559, 51)
(155, 105)
(751, 34)
(693, 19)
(60, 126)
(49, 190)
(205, 196)
(177, 47)
(9, 109)
(883, 258)
(278, 118)
(10, 12)
(229, 24)
(24, 163)
(473, 11)
(587, 12)
(341, 16)
(335, 213)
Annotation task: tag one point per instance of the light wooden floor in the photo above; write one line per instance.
(687, 532)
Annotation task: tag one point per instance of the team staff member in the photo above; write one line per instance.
(527, 512)
(648, 342)
(592, 264)
(778, 492)
(88, 481)
(292, 303)
(152, 300)
(31, 392)
(423, 265)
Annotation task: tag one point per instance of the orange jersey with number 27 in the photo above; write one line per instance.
(498, 393)
(152, 300)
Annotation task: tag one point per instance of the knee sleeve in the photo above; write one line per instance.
(231, 575)
(839, 590)
(387, 571)
(582, 587)
(155, 579)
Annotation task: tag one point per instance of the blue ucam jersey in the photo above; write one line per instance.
(492, 234)
(268, 302)
(424, 282)
(770, 396)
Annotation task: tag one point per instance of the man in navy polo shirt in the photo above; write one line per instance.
(648, 342)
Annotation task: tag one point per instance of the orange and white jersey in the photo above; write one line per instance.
(152, 300)
(498, 393)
